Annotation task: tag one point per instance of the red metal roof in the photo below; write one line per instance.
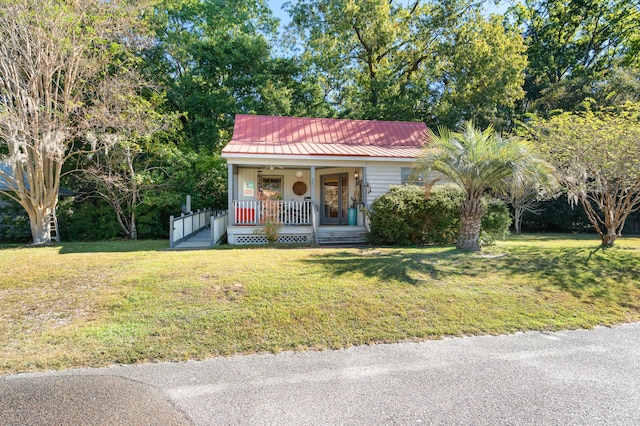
(266, 135)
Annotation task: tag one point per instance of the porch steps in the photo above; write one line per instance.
(342, 235)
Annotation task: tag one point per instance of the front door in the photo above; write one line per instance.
(334, 199)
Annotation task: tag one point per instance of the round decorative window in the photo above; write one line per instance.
(299, 188)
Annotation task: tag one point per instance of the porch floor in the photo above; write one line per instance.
(200, 240)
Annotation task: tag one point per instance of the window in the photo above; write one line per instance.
(272, 185)
(407, 179)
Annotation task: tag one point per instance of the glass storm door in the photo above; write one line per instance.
(335, 199)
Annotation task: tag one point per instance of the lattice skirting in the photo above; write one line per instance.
(294, 239)
(261, 239)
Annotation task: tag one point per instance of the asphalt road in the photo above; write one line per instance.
(585, 377)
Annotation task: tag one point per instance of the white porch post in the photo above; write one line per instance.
(365, 197)
(363, 187)
(314, 215)
(231, 193)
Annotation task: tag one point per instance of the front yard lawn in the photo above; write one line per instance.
(93, 304)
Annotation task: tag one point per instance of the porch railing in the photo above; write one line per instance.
(186, 225)
(285, 212)
(219, 223)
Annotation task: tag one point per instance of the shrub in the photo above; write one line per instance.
(88, 220)
(495, 222)
(404, 217)
(14, 222)
(153, 220)
(557, 216)
(270, 219)
(442, 219)
(93, 219)
(395, 215)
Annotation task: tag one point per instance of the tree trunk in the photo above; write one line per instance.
(133, 229)
(471, 212)
(40, 222)
(609, 238)
(612, 225)
(609, 225)
(135, 193)
(517, 219)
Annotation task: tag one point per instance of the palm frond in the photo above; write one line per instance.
(475, 159)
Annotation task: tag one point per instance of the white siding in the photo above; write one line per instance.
(380, 176)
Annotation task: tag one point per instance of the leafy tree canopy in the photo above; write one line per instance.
(437, 61)
(571, 44)
(215, 58)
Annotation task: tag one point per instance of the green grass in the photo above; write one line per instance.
(93, 304)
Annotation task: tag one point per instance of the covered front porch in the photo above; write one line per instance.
(310, 204)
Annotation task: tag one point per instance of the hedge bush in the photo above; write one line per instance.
(404, 217)
(495, 222)
(93, 219)
(558, 215)
(89, 220)
(14, 222)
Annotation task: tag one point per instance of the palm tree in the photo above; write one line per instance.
(475, 160)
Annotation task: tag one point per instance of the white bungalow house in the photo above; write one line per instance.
(318, 169)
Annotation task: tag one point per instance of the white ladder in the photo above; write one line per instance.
(53, 227)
